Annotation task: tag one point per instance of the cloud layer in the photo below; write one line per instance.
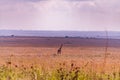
(60, 14)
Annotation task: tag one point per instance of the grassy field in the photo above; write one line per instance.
(77, 62)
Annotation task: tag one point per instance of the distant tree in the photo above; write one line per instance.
(12, 35)
(66, 36)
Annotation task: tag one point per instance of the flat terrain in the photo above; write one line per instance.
(56, 41)
(42, 51)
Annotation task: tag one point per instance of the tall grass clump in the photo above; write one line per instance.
(71, 72)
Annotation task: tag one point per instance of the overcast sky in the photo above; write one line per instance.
(60, 14)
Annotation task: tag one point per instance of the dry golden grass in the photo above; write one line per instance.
(90, 59)
(45, 56)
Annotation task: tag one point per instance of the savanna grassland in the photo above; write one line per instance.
(35, 58)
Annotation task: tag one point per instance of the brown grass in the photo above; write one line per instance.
(92, 55)
(81, 56)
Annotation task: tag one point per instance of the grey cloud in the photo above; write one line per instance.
(16, 1)
(22, 13)
(79, 0)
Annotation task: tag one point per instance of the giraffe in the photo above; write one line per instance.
(60, 49)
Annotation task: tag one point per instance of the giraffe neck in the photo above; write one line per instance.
(61, 47)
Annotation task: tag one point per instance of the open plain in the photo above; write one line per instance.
(86, 53)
